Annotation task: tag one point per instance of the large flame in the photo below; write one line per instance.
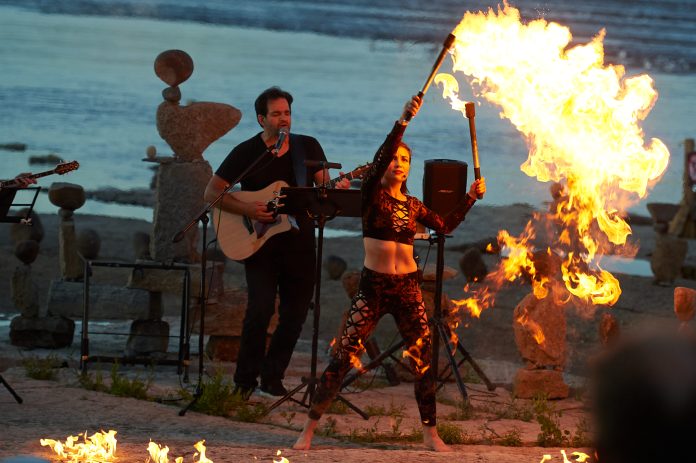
(97, 448)
(580, 119)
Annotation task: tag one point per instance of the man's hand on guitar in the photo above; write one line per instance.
(342, 184)
(23, 180)
(259, 211)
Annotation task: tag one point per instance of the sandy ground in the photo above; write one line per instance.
(56, 409)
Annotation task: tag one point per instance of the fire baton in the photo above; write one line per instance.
(446, 46)
(471, 114)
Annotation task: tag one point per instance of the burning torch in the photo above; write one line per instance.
(470, 115)
(446, 46)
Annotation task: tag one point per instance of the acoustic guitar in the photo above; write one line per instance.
(240, 237)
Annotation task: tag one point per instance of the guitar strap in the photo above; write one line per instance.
(299, 155)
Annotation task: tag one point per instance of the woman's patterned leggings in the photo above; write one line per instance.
(380, 294)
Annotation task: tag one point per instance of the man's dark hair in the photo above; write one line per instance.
(273, 93)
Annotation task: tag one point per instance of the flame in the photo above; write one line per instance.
(579, 457)
(159, 454)
(581, 121)
(414, 353)
(282, 459)
(533, 327)
(201, 451)
(97, 448)
(355, 355)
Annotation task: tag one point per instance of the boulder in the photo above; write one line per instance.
(41, 332)
(335, 266)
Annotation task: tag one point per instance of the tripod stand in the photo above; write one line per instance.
(321, 205)
(202, 298)
(441, 330)
(12, 391)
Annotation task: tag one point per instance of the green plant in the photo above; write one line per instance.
(337, 407)
(512, 438)
(463, 411)
(250, 413)
(216, 397)
(548, 418)
(41, 368)
(122, 386)
(92, 384)
(376, 410)
(288, 417)
(328, 429)
(582, 436)
(450, 433)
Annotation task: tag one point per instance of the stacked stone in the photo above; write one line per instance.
(181, 180)
(32, 329)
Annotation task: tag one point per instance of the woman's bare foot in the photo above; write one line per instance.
(304, 442)
(432, 440)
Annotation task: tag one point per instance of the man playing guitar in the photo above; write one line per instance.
(284, 265)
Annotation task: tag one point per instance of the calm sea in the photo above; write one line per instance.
(77, 80)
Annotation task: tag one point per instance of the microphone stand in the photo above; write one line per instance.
(203, 218)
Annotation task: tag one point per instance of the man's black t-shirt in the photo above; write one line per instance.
(272, 169)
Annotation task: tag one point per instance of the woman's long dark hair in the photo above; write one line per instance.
(404, 188)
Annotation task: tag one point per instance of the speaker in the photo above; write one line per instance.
(444, 184)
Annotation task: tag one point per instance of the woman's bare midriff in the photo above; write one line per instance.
(389, 256)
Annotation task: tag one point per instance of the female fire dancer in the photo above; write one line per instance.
(389, 280)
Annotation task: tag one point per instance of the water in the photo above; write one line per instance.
(83, 87)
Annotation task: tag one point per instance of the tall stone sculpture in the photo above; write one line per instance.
(181, 179)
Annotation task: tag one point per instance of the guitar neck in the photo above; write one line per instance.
(332, 183)
(14, 182)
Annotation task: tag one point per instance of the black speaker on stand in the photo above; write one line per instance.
(444, 185)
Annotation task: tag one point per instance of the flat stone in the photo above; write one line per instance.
(164, 281)
(226, 348)
(147, 337)
(226, 316)
(190, 129)
(71, 266)
(21, 232)
(530, 383)
(173, 66)
(178, 200)
(106, 302)
(667, 258)
(27, 251)
(335, 266)
(472, 265)
(25, 292)
(447, 272)
(533, 316)
(41, 332)
(684, 303)
(66, 195)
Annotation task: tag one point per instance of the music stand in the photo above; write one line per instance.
(7, 198)
(321, 205)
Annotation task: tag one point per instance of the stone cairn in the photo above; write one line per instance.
(684, 307)
(180, 183)
(674, 223)
(33, 329)
(545, 357)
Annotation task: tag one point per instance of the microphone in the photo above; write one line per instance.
(282, 135)
(322, 164)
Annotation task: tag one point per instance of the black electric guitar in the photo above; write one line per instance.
(240, 236)
(60, 169)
